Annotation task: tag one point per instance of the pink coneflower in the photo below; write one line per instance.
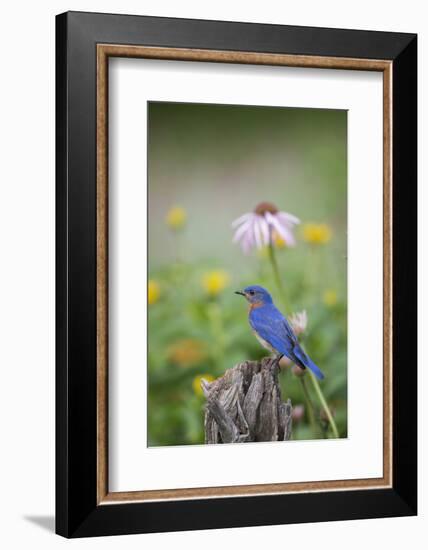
(255, 229)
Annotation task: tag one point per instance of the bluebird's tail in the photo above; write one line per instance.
(305, 361)
(311, 365)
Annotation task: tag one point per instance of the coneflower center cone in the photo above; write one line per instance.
(264, 207)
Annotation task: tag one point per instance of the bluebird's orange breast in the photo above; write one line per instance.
(255, 305)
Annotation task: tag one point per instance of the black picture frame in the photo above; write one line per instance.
(77, 511)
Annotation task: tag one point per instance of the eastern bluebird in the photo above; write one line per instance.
(273, 330)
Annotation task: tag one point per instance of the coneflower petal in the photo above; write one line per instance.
(257, 232)
(242, 229)
(264, 228)
(281, 229)
(288, 218)
(247, 243)
(242, 219)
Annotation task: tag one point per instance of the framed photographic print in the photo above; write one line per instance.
(236, 274)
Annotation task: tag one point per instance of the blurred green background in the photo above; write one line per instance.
(208, 165)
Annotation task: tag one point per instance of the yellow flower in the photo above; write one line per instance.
(176, 218)
(196, 384)
(215, 281)
(317, 233)
(187, 352)
(153, 292)
(278, 241)
(330, 298)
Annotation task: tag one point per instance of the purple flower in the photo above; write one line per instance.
(256, 229)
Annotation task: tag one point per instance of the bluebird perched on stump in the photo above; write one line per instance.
(273, 330)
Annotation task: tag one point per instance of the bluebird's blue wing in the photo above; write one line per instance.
(273, 327)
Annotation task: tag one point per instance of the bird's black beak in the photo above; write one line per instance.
(240, 292)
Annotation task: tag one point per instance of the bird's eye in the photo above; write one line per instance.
(251, 292)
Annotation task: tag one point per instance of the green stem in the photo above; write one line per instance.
(325, 406)
(214, 313)
(309, 406)
(276, 274)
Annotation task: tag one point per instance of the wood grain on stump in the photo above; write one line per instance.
(245, 405)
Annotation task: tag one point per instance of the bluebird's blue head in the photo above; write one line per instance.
(256, 294)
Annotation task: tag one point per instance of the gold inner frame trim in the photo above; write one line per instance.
(104, 51)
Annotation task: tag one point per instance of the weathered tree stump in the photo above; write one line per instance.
(245, 405)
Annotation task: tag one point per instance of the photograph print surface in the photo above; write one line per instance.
(247, 274)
